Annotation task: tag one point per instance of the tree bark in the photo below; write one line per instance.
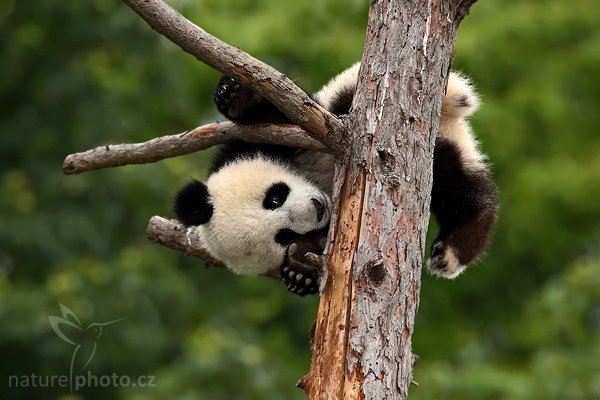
(362, 343)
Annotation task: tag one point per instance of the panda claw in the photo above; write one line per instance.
(437, 249)
(292, 249)
(225, 94)
(323, 242)
(444, 261)
(299, 277)
(313, 258)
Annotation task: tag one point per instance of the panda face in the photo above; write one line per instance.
(257, 207)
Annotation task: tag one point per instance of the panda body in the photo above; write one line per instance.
(260, 198)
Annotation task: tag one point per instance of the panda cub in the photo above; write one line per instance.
(265, 209)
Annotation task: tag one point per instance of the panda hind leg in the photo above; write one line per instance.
(240, 104)
(464, 203)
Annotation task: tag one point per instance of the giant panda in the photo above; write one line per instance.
(265, 209)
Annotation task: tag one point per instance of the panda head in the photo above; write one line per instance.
(250, 210)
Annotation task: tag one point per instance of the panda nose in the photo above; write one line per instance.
(319, 207)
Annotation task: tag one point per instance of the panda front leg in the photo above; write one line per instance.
(464, 202)
(240, 104)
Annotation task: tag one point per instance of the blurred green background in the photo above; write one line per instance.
(524, 324)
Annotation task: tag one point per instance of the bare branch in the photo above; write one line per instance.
(188, 142)
(170, 233)
(260, 77)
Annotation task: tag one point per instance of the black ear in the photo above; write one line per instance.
(192, 205)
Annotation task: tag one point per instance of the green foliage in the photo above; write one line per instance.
(524, 324)
(549, 351)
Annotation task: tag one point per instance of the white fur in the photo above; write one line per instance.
(317, 168)
(345, 79)
(459, 86)
(241, 232)
(453, 268)
(460, 102)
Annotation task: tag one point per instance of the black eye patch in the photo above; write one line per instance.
(275, 196)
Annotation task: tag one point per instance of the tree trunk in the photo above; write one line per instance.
(362, 342)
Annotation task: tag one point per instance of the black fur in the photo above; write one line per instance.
(342, 101)
(464, 203)
(192, 204)
(286, 236)
(240, 104)
(276, 195)
(237, 149)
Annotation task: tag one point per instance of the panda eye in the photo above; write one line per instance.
(273, 202)
(276, 196)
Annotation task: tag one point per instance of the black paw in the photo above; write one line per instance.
(225, 94)
(444, 261)
(437, 260)
(301, 269)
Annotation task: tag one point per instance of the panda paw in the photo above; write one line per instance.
(225, 93)
(301, 270)
(444, 261)
(235, 101)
